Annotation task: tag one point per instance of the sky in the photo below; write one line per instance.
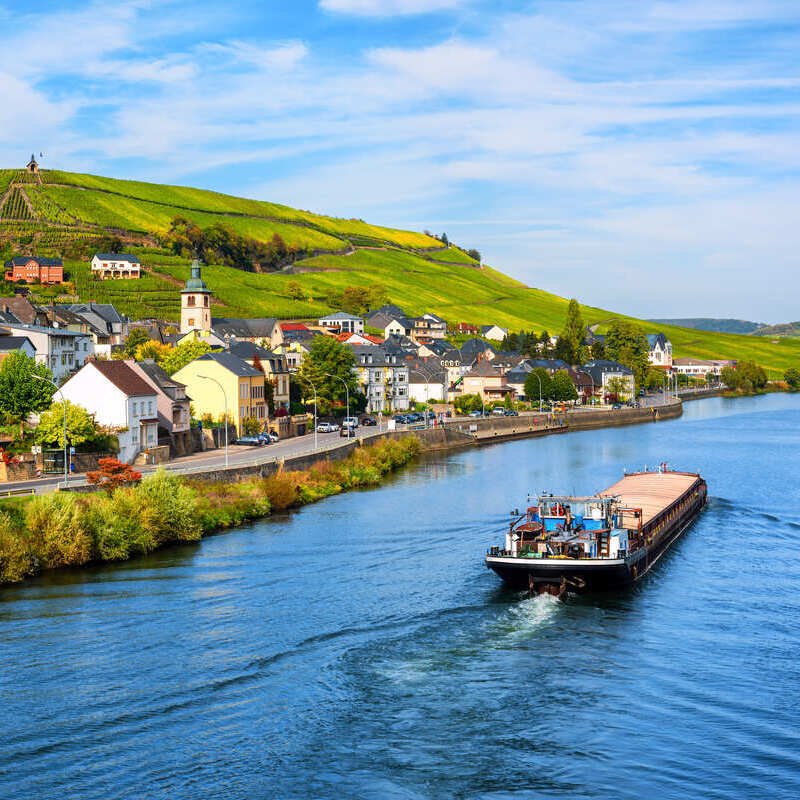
(640, 156)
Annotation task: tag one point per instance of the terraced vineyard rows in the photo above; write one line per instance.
(15, 206)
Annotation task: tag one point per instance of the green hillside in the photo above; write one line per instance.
(70, 215)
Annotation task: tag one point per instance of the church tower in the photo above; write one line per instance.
(32, 165)
(195, 303)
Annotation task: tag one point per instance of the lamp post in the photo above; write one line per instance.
(225, 405)
(346, 390)
(315, 412)
(538, 378)
(63, 403)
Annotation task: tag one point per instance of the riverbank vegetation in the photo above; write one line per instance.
(66, 529)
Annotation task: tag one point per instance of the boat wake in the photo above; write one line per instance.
(528, 616)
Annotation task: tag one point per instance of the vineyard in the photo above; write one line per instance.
(15, 206)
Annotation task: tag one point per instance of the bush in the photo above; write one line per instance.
(58, 530)
(16, 560)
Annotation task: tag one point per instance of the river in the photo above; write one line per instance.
(359, 648)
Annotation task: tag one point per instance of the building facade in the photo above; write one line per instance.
(107, 266)
(33, 269)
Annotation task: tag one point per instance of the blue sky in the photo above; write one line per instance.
(641, 156)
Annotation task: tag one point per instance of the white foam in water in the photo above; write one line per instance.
(531, 614)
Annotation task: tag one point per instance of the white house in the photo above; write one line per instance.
(699, 367)
(660, 353)
(398, 326)
(343, 323)
(494, 332)
(119, 399)
(62, 351)
(116, 265)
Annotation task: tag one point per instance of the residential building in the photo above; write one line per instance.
(216, 381)
(342, 322)
(172, 405)
(429, 327)
(487, 381)
(274, 365)
(34, 269)
(265, 331)
(13, 344)
(359, 338)
(399, 326)
(383, 377)
(660, 350)
(467, 328)
(116, 265)
(427, 380)
(121, 400)
(700, 368)
(382, 316)
(62, 351)
(294, 352)
(474, 349)
(107, 327)
(602, 372)
(494, 332)
(23, 310)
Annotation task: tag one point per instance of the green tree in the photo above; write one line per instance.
(618, 388)
(570, 343)
(538, 384)
(563, 388)
(184, 353)
(467, 402)
(792, 378)
(24, 387)
(295, 290)
(327, 357)
(544, 346)
(137, 337)
(654, 378)
(627, 344)
(81, 425)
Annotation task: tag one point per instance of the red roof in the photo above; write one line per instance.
(124, 378)
(344, 337)
(294, 326)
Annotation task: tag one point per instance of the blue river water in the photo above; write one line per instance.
(359, 648)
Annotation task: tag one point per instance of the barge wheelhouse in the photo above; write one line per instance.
(602, 541)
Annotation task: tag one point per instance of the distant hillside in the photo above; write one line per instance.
(71, 215)
(786, 329)
(710, 324)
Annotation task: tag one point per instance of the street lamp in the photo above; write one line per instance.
(63, 403)
(225, 402)
(346, 390)
(538, 378)
(315, 411)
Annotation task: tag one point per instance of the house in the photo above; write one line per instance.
(220, 381)
(603, 373)
(449, 359)
(360, 338)
(342, 322)
(274, 366)
(399, 326)
(61, 351)
(23, 310)
(115, 265)
(474, 349)
(487, 381)
(660, 350)
(583, 383)
(260, 330)
(494, 332)
(382, 316)
(383, 377)
(702, 369)
(172, 406)
(428, 327)
(516, 377)
(294, 352)
(427, 380)
(467, 328)
(120, 399)
(13, 344)
(34, 269)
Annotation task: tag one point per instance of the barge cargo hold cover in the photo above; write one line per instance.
(602, 541)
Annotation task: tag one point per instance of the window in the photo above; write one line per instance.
(243, 393)
(190, 300)
(135, 408)
(149, 406)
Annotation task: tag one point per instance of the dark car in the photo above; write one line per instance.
(254, 441)
(347, 431)
(616, 406)
(509, 412)
(400, 419)
(368, 421)
(415, 416)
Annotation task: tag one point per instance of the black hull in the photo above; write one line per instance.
(594, 575)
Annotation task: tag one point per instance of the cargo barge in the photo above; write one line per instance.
(599, 542)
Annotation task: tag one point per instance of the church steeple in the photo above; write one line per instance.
(32, 165)
(195, 303)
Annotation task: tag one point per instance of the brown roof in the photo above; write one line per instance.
(124, 378)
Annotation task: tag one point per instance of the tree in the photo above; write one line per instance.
(467, 402)
(445, 240)
(137, 337)
(654, 378)
(746, 377)
(113, 474)
(618, 388)
(183, 354)
(538, 384)
(152, 350)
(327, 357)
(570, 342)
(563, 388)
(81, 425)
(792, 378)
(474, 254)
(295, 290)
(627, 344)
(544, 346)
(20, 392)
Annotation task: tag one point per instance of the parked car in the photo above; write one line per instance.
(616, 406)
(401, 419)
(254, 440)
(509, 412)
(327, 427)
(347, 431)
(272, 436)
(350, 422)
(476, 413)
(368, 421)
(500, 412)
(415, 416)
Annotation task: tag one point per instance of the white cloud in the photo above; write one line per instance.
(389, 8)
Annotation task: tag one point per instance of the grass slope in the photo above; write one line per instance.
(415, 270)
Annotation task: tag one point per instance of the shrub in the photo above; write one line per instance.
(16, 560)
(58, 530)
(113, 474)
(168, 509)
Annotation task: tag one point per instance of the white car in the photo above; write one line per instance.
(327, 427)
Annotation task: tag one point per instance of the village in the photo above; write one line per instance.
(156, 391)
